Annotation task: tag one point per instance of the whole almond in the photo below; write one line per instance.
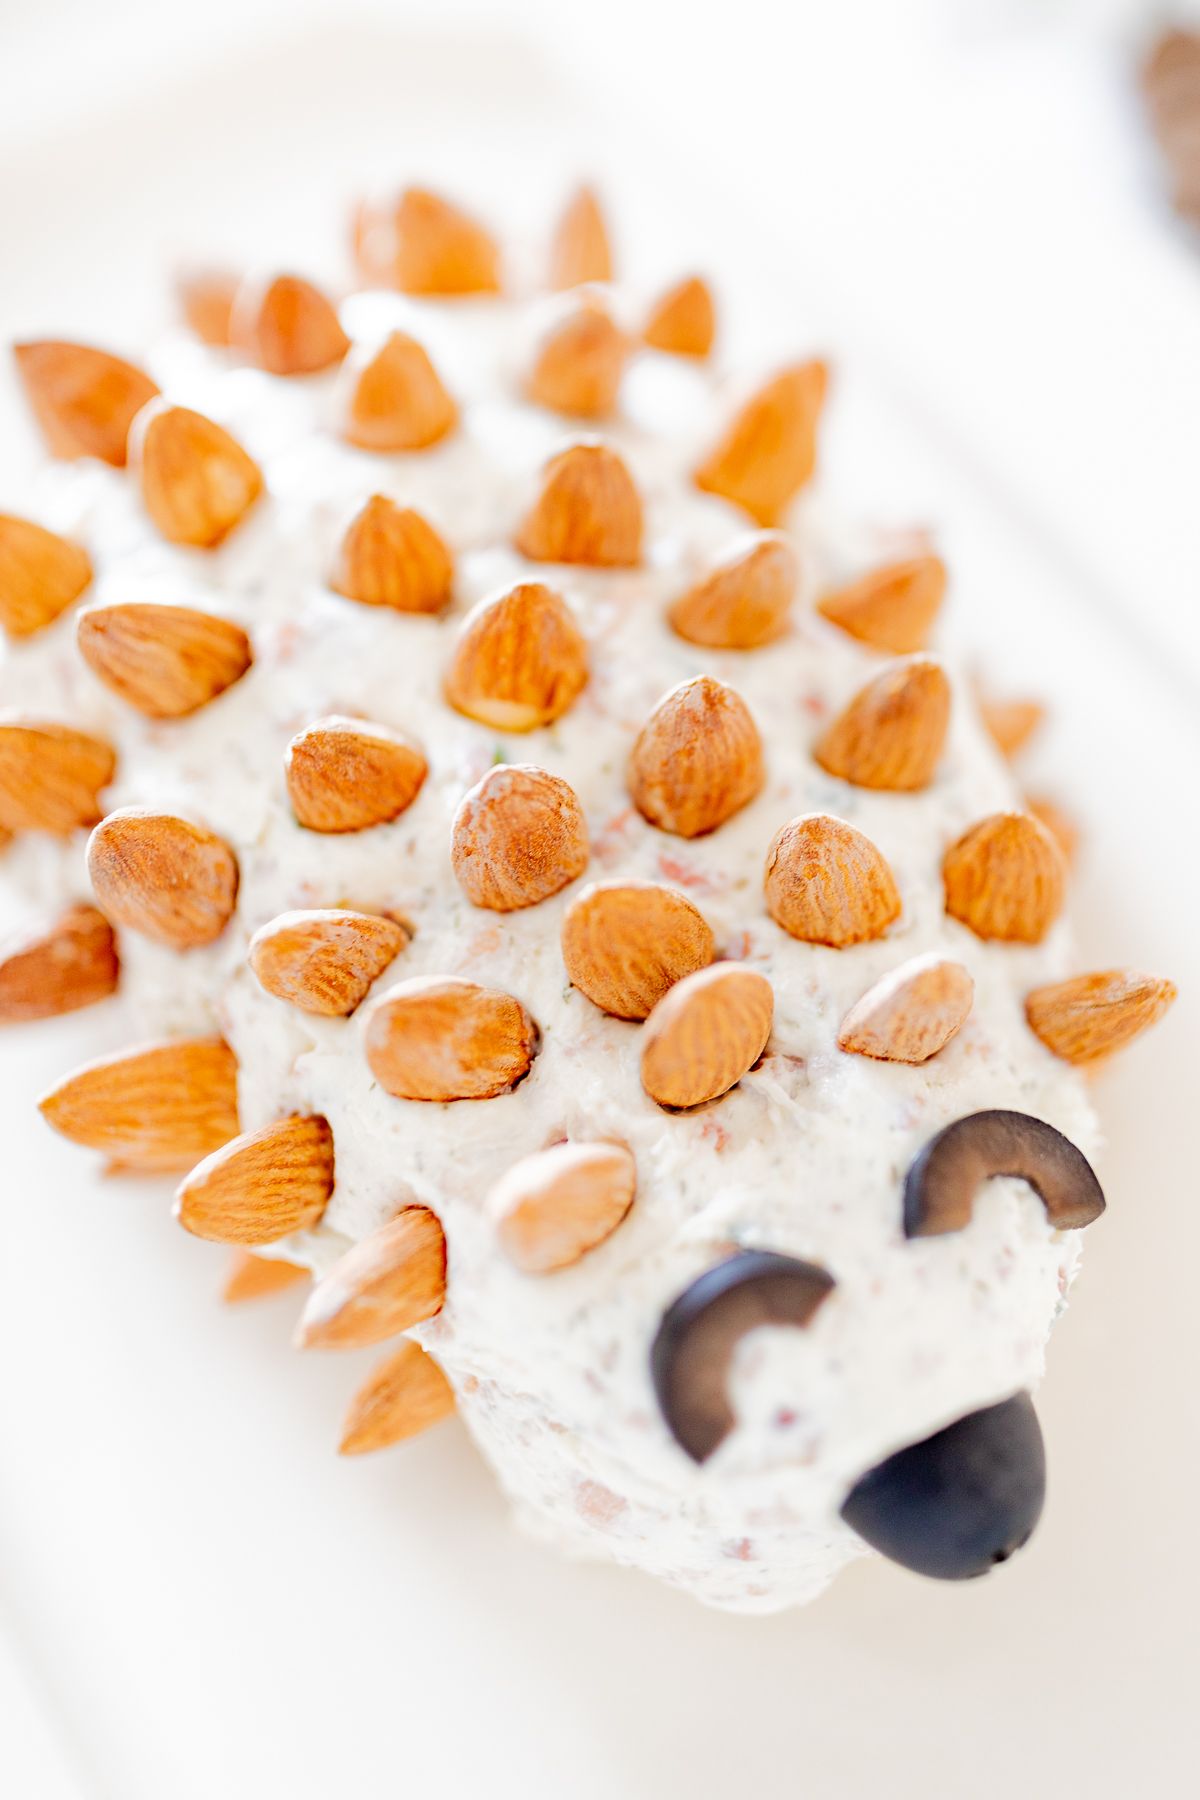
(625, 943)
(551, 1208)
(1005, 878)
(166, 661)
(252, 1277)
(580, 250)
(161, 1106)
(45, 973)
(41, 574)
(261, 1186)
(911, 1013)
(1062, 828)
(402, 1396)
(50, 775)
(683, 321)
(441, 1038)
(1090, 1016)
(84, 400)
(424, 245)
(706, 1033)
(826, 883)
(697, 760)
(1011, 723)
(197, 481)
(588, 511)
(769, 450)
(744, 601)
(163, 876)
(891, 735)
(324, 961)
(520, 660)
(519, 836)
(580, 363)
(206, 298)
(350, 774)
(286, 326)
(388, 1282)
(396, 398)
(891, 608)
(391, 556)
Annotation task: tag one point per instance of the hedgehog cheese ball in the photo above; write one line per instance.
(562, 898)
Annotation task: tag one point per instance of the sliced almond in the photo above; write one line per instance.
(826, 883)
(1090, 1016)
(253, 1277)
(391, 556)
(44, 973)
(706, 1033)
(402, 1396)
(424, 245)
(166, 661)
(350, 774)
(892, 733)
(206, 298)
(287, 326)
(84, 400)
(1011, 723)
(390, 1281)
(163, 876)
(50, 775)
(440, 1038)
(588, 511)
(1058, 823)
(551, 1208)
(580, 250)
(769, 450)
(160, 1106)
(520, 660)
(745, 600)
(683, 321)
(892, 608)
(262, 1185)
(324, 961)
(625, 943)
(197, 481)
(397, 401)
(580, 363)
(1005, 878)
(911, 1013)
(41, 574)
(697, 760)
(519, 836)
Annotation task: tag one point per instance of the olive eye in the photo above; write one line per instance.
(939, 1192)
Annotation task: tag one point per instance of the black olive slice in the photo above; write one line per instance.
(940, 1188)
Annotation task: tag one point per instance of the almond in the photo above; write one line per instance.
(397, 401)
(261, 1186)
(891, 735)
(286, 326)
(1005, 878)
(50, 775)
(166, 661)
(551, 1208)
(826, 883)
(390, 1281)
(44, 973)
(160, 1106)
(588, 511)
(706, 1033)
(769, 450)
(1090, 1016)
(580, 250)
(519, 836)
(84, 400)
(351, 774)
(520, 660)
(892, 608)
(391, 556)
(424, 245)
(403, 1395)
(41, 574)
(197, 481)
(1011, 723)
(683, 321)
(253, 1277)
(1059, 824)
(440, 1038)
(625, 943)
(579, 364)
(324, 961)
(744, 601)
(163, 876)
(206, 298)
(911, 1013)
(697, 760)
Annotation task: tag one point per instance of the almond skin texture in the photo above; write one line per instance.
(625, 943)
(162, 876)
(424, 245)
(891, 735)
(402, 1396)
(911, 1013)
(588, 511)
(683, 322)
(197, 481)
(579, 365)
(261, 1186)
(745, 600)
(397, 401)
(826, 883)
(519, 836)
(324, 961)
(253, 1277)
(705, 1034)
(1011, 723)
(580, 250)
(389, 1282)
(206, 298)
(286, 326)
(45, 973)
(41, 574)
(439, 1038)
(350, 774)
(165, 661)
(50, 775)
(84, 400)
(520, 660)
(1061, 827)
(1090, 1016)
(391, 556)
(769, 450)
(892, 608)
(161, 1106)
(551, 1208)
(697, 760)
(1005, 878)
